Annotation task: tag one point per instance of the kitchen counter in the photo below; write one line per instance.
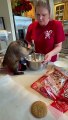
(27, 79)
(29, 96)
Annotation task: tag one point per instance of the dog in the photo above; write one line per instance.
(16, 50)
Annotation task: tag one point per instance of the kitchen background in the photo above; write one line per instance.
(16, 24)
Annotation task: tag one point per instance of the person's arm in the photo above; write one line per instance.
(59, 38)
(28, 36)
(55, 51)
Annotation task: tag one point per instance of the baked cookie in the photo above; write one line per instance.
(39, 109)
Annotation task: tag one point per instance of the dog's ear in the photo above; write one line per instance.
(19, 42)
(22, 43)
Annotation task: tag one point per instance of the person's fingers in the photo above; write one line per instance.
(47, 59)
(29, 46)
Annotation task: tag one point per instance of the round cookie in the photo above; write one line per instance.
(39, 109)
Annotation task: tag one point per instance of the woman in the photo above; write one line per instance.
(47, 34)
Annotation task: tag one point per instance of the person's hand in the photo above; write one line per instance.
(29, 46)
(48, 57)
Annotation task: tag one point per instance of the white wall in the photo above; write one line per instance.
(56, 1)
(6, 13)
(52, 8)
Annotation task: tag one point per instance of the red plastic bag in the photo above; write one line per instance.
(62, 106)
(51, 85)
(63, 94)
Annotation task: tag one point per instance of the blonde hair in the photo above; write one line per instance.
(44, 4)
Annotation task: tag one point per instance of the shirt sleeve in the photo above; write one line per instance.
(29, 33)
(59, 33)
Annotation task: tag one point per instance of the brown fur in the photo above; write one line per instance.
(14, 52)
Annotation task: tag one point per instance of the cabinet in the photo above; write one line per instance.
(61, 11)
(66, 11)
